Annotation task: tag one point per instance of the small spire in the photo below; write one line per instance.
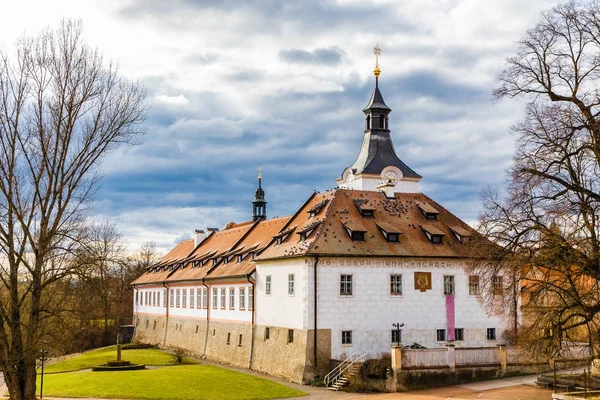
(377, 71)
(259, 175)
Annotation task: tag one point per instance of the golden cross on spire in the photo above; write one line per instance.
(377, 52)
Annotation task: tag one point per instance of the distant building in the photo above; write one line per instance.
(286, 295)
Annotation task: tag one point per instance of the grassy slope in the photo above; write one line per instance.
(100, 356)
(169, 382)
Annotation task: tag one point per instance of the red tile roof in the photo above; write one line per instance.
(336, 212)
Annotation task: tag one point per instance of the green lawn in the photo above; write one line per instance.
(182, 382)
(100, 356)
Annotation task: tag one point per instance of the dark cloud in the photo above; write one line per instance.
(327, 56)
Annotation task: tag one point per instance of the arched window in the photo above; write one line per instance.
(368, 126)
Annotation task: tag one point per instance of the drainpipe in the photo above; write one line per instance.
(315, 321)
(166, 313)
(208, 307)
(253, 322)
(135, 308)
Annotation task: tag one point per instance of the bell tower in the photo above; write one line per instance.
(377, 166)
(259, 205)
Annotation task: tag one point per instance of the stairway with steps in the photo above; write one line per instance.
(344, 378)
(340, 375)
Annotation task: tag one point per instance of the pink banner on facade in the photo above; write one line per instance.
(450, 316)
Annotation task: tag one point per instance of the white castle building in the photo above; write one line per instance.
(287, 295)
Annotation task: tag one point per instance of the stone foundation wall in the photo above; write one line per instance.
(149, 329)
(279, 354)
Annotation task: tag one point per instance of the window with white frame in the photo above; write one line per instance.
(223, 297)
(459, 334)
(165, 296)
(153, 298)
(193, 297)
(199, 298)
(231, 298)
(178, 298)
(396, 285)
(251, 298)
(242, 298)
(346, 285)
(158, 299)
(172, 297)
(346, 337)
(291, 284)
(497, 285)
(490, 334)
(268, 284)
(204, 298)
(473, 285)
(449, 284)
(184, 298)
(215, 297)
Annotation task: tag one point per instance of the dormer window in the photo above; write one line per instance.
(357, 236)
(355, 230)
(365, 210)
(307, 230)
(314, 210)
(462, 235)
(430, 213)
(434, 234)
(282, 236)
(389, 231)
(253, 255)
(240, 258)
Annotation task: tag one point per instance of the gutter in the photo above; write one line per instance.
(166, 313)
(253, 322)
(208, 307)
(315, 316)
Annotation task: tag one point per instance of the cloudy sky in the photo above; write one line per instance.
(233, 84)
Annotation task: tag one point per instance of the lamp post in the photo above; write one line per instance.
(43, 358)
(398, 325)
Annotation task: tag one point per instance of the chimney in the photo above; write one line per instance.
(212, 229)
(199, 236)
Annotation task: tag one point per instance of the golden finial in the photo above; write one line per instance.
(259, 171)
(377, 52)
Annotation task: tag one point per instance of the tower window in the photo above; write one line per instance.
(381, 121)
(368, 122)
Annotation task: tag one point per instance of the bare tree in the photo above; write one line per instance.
(62, 108)
(548, 223)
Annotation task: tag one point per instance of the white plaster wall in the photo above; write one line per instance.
(371, 310)
(226, 314)
(370, 183)
(279, 308)
(187, 311)
(140, 307)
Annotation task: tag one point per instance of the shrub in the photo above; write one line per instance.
(376, 367)
(179, 353)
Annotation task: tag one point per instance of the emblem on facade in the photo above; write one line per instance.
(422, 281)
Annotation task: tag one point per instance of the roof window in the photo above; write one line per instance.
(282, 236)
(307, 230)
(435, 235)
(389, 231)
(365, 210)
(430, 213)
(462, 235)
(355, 230)
(314, 210)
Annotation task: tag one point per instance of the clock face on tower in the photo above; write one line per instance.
(391, 176)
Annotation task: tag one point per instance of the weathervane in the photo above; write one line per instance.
(377, 52)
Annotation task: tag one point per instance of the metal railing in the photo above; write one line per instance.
(332, 377)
